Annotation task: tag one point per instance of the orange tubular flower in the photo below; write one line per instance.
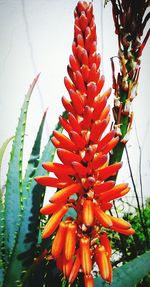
(83, 177)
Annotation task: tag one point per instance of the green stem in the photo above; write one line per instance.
(137, 199)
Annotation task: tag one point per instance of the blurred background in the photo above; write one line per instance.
(36, 37)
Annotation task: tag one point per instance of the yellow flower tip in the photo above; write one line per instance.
(126, 232)
(67, 267)
(49, 208)
(75, 268)
(88, 281)
(106, 243)
(119, 222)
(54, 221)
(63, 194)
(102, 217)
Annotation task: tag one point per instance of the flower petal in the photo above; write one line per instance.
(63, 194)
(85, 255)
(70, 241)
(54, 221)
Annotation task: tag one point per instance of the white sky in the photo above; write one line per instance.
(36, 36)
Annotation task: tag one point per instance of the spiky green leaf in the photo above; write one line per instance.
(2, 151)
(27, 238)
(33, 161)
(129, 274)
(14, 177)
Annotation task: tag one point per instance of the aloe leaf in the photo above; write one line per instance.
(2, 151)
(28, 235)
(33, 161)
(14, 177)
(129, 274)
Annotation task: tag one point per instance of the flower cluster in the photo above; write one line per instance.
(83, 177)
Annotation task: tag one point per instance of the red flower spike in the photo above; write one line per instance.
(54, 221)
(106, 243)
(88, 212)
(88, 281)
(58, 242)
(75, 268)
(63, 194)
(85, 255)
(81, 6)
(70, 241)
(83, 176)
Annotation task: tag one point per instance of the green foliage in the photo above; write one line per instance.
(14, 178)
(20, 237)
(2, 151)
(130, 273)
(131, 246)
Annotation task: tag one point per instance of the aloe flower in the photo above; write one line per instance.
(130, 19)
(82, 177)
